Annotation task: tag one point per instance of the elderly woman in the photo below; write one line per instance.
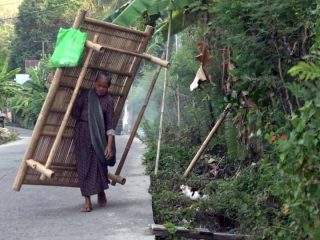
(94, 139)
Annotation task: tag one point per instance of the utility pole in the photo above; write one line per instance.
(42, 44)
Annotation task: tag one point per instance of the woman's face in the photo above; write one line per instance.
(101, 85)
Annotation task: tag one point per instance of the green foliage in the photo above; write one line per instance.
(299, 159)
(8, 87)
(29, 103)
(306, 71)
(152, 12)
(273, 192)
(39, 21)
(172, 229)
(6, 35)
(235, 149)
(137, 8)
(7, 136)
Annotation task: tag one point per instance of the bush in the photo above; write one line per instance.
(7, 136)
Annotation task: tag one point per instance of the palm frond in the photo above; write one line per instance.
(306, 71)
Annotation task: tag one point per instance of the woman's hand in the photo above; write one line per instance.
(108, 152)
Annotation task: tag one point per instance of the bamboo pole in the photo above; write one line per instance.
(40, 168)
(58, 139)
(137, 123)
(94, 46)
(116, 178)
(164, 93)
(178, 91)
(36, 134)
(115, 27)
(209, 137)
(154, 59)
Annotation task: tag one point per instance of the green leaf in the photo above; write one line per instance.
(136, 9)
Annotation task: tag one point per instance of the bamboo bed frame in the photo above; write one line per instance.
(49, 159)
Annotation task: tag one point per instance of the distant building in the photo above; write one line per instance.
(32, 63)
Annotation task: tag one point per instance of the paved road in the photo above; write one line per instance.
(41, 212)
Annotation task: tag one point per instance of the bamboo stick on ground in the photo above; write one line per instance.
(43, 116)
(209, 137)
(57, 141)
(137, 123)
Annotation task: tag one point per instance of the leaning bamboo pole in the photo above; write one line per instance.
(137, 122)
(178, 90)
(164, 92)
(36, 134)
(209, 137)
(66, 116)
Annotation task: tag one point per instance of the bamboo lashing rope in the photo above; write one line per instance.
(101, 47)
(207, 140)
(57, 141)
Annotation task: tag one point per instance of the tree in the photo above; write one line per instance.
(28, 104)
(38, 23)
(131, 13)
(6, 35)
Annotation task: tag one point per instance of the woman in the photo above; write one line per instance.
(94, 139)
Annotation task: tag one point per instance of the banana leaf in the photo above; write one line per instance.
(137, 8)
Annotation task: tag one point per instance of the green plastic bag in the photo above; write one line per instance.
(69, 47)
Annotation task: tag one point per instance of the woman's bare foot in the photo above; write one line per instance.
(102, 199)
(87, 205)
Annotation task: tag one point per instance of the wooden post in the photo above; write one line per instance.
(164, 92)
(36, 134)
(137, 123)
(76, 90)
(209, 137)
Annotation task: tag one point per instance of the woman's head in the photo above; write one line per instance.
(102, 83)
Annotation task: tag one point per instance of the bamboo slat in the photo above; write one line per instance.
(52, 145)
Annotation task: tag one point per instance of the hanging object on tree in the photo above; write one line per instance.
(200, 77)
(204, 57)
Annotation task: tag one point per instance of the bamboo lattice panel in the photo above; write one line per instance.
(123, 68)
